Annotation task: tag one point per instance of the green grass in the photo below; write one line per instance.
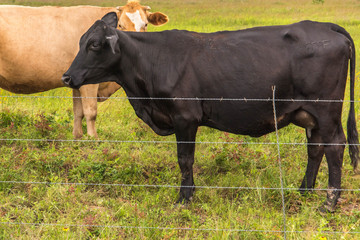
(78, 211)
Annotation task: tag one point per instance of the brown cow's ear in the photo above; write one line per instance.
(157, 18)
(146, 8)
(120, 8)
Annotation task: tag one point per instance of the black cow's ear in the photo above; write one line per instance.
(112, 40)
(111, 19)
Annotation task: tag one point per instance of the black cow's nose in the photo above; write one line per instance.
(66, 80)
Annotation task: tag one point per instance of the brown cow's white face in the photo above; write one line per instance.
(137, 21)
(134, 17)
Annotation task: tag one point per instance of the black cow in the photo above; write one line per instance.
(305, 61)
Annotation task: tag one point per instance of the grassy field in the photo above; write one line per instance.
(105, 211)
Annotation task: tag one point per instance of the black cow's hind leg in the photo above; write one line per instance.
(334, 153)
(315, 155)
(331, 139)
(185, 136)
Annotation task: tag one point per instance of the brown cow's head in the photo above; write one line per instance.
(132, 17)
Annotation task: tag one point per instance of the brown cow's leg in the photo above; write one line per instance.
(78, 114)
(89, 104)
(185, 136)
(315, 155)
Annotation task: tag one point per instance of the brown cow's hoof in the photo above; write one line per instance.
(77, 135)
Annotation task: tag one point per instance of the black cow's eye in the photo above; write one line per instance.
(95, 46)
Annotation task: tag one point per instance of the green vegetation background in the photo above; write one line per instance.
(78, 211)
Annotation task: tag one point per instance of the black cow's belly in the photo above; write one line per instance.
(253, 119)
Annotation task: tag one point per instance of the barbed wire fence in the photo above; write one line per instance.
(272, 100)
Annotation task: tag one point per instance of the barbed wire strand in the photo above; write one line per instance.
(221, 99)
(176, 186)
(175, 228)
(279, 161)
(174, 142)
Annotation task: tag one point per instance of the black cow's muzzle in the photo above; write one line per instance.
(66, 80)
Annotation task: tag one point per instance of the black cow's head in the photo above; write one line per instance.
(98, 54)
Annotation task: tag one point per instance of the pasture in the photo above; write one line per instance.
(123, 185)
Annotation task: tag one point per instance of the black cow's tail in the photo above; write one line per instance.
(352, 133)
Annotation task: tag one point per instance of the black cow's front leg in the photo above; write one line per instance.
(185, 136)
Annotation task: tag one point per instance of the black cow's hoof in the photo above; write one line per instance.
(329, 205)
(179, 205)
(327, 209)
(183, 201)
(331, 201)
(305, 192)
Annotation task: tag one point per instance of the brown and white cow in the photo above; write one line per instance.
(38, 44)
